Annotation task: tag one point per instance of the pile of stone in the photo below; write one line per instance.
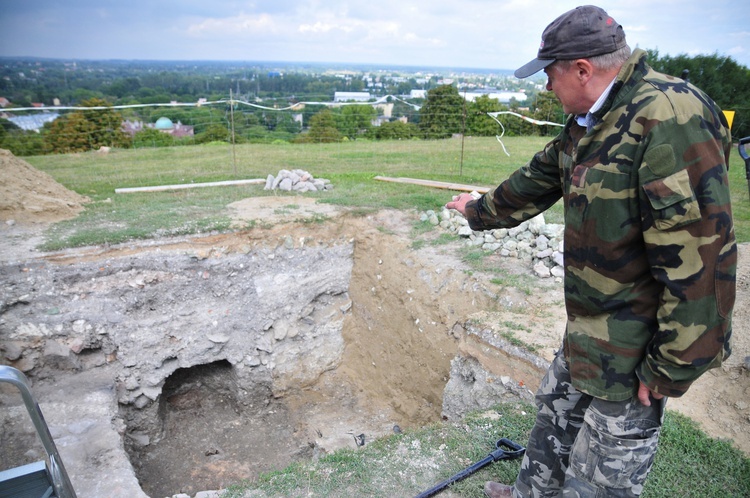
(296, 180)
(535, 242)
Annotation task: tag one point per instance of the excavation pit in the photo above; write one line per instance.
(213, 359)
(207, 435)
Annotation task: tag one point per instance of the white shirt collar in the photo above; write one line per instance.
(587, 119)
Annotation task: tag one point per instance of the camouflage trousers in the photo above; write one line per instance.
(586, 447)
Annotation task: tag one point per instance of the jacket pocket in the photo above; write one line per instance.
(673, 202)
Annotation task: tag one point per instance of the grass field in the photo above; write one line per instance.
(351, 167)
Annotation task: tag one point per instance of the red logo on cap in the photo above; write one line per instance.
(609, 21)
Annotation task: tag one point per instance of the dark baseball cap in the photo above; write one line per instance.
(583, 32)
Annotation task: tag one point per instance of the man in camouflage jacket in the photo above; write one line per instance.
(650, 255)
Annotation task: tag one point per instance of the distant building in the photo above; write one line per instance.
(385, 119)
(351, 96)
(163, 124)
(418, 94)
(131, 127)
(501, 96)
(33, 122)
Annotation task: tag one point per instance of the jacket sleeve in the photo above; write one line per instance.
(529, 191)
(689, 237)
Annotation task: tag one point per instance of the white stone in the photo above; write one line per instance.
(536, 224)
(464, 231)
(541, 270)
(546, 253)
(558, 271)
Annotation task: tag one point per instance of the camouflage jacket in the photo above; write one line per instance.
(650, 253)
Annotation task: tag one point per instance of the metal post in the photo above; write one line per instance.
(231, 119)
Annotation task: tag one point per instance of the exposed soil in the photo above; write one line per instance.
(28, 195)
(383, 379)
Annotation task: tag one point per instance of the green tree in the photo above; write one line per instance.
(213, 133)
(256, 134)
(124, 86)
(80, 95)
(356, 120)
(150, 137)
(86, 130)
(106, 125)
(409, 111)
(725, 81)
(396, 130)
(323, 128)
(442, 114)
(18, 141)
(320, 90)
(547, 108)
(68, 134)
(478, 123)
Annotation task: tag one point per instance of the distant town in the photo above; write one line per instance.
(163, 103)
(50, 83)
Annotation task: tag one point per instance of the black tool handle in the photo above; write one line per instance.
(744, 155)
(504, 444)
(741, 149)
(499, 454)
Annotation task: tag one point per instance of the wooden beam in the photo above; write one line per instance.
(435, 184)
(161, 188)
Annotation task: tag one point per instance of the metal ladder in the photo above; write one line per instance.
(43, 479)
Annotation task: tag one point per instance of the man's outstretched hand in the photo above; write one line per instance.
(459, 203)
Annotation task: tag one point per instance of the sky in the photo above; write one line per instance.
(489, 34)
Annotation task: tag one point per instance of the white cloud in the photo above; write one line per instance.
(472, 33)
(325, 27)
(635, 29)
(240, 24)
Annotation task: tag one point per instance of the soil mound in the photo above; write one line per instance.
(28, 195)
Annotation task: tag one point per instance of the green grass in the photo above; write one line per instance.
(351, 166)
(690, 464)
(112, 218)
(403, 464)
(687, 464)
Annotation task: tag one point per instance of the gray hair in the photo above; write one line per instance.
(604, 62)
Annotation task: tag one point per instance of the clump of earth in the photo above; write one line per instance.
(403, 314)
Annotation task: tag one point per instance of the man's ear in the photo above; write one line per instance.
(584, 70)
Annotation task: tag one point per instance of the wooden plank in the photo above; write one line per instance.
(434, 184)
(161, 188)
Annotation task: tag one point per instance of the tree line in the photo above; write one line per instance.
(443, 113)
(27, 81)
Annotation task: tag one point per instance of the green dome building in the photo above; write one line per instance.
(164, 123)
